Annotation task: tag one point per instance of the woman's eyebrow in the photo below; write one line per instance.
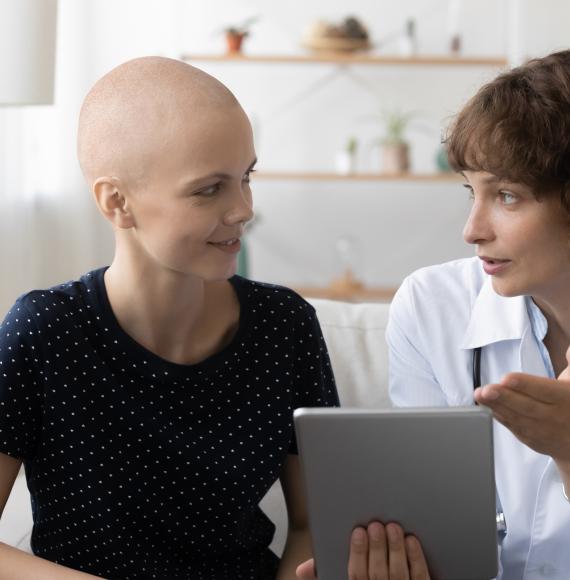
(217, 175)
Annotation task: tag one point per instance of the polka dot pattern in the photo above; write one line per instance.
(142, 468)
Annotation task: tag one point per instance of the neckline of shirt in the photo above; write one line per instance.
(137, 350)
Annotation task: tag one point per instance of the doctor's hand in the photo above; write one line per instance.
(536, 410)
(381, 553)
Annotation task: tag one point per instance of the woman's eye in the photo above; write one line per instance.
(209, 191)
(507, 197)
(247, 176)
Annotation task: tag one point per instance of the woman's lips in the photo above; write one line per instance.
(493, 266)
(232, 246)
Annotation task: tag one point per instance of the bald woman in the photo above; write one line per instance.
(151, 401)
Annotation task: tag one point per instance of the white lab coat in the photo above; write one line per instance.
(437, 317)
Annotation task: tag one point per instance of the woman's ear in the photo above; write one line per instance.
(111, 199)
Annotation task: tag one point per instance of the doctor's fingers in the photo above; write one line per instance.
(503, 399)
(550, 436)
(540, 388)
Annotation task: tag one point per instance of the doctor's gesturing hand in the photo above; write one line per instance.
(379, 552)
(537, 411)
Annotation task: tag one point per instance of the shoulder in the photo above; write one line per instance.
(455, 283)
(436, 302)
(48, 306)
(272, 298)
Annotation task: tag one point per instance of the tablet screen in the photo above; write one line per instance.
(430, 470)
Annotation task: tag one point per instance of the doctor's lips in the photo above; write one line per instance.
(493, 266)
(230, 246)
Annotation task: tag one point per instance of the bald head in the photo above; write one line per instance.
(131, 114)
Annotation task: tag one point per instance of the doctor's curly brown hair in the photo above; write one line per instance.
(518, 127)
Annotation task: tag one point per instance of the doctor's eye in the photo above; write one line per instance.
(470, 190)
(507, 197)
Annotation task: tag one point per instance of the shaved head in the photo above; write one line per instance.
(131, 114)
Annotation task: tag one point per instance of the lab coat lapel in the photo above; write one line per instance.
(495, 318)
(505, 324)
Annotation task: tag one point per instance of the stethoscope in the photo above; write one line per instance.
(500, 516)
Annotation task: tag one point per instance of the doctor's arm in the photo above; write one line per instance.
(537, 411)
(412, 379)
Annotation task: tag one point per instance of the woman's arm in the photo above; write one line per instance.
(298, 544)
(18, 565)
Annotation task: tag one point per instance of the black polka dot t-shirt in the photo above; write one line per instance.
(142, 468)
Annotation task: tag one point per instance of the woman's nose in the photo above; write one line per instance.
(241, 211)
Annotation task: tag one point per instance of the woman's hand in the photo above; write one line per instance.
(380, 553)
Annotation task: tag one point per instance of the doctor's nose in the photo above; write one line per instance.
(478, 227)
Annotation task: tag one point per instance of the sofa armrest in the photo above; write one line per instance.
(16, 521)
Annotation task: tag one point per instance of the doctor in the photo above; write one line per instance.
(511, 142)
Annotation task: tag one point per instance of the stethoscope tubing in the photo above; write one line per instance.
(500, 516)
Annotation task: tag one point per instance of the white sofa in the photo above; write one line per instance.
(355, 338)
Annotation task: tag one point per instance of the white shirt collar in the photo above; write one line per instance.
(495, 318)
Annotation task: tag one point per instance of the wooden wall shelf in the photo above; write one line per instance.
(365, 294)
(325, 176)
(358, 58)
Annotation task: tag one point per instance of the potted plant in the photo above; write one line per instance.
(236, 34)
(345, 160)
(395, 148)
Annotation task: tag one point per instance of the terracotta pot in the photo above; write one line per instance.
(234, 42)
(395, 158)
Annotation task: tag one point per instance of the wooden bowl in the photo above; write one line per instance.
(324, 44)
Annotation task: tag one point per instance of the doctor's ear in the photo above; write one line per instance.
(110, 198)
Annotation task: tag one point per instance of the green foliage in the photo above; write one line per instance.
(396, 123)
(243, 28)
(352, 145)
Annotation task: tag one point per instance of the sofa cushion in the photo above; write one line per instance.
(355, 339)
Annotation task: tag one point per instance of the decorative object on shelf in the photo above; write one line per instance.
(395, 149)
(453, 35)
(408, 42)
(236, 34)
(243, 259)
(348, 36)
(348, 254)
(243, 265)
(442, 161)
(345, 160)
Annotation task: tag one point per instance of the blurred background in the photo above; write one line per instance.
(330, 86)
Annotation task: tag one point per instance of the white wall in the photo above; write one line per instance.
(303, 114)
(397, 226)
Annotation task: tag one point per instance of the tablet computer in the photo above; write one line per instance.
(429, 470)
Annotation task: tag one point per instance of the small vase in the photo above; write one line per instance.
(345, 162)
(243, 260)
(395, 158)
(234, 42)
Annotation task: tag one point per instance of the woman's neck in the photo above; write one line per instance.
(181, 318)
